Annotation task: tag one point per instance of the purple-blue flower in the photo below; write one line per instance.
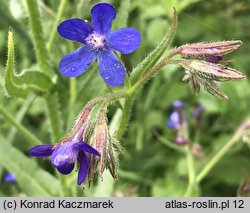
(9, 178)
(64, 156)
(98, 42)
(178, 105)
(174, 120)
(214, 58)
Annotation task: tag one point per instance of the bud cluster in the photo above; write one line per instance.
(107, 146)
(202, 67)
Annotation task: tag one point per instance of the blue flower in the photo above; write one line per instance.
(9, 178)
(64, 156)
(178, 105)
(98, 42)
(174, 120)
(214, 58)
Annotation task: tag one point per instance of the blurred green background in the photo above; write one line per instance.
(148, 167)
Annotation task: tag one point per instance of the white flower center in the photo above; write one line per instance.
(96, 41)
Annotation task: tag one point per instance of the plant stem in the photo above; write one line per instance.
(38, 36)
(153, 71)
(26, 133)
(54, 116)
(170, 145)
(43, 61)
(125, 117)
(216, 158)
(72, 89)
(191, 172)
(60, 14)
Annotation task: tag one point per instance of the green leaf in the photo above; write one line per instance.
(12, 88)
(36, 81)
(32, 180)
(154, 56)
(21, 85)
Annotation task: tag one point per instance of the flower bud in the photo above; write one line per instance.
(82, 122)
(106, 145)
(203, 50)
(211, 71)
(180, 140)
(178, 105)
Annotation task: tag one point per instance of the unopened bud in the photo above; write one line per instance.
(216, 50)
(211, 71)
(180, 140)
(106, 145)
(82, 122)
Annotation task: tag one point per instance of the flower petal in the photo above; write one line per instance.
(171, 124)
(74, 29)
(65, 168)
(125, 40)
(111, 69)
(102, 16)
(84, 147)
(76, 62)
(83, 167)
(41, 150)
(9, 178)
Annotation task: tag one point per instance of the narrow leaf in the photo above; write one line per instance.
(21, 85)
(12, 88)
(32, 180)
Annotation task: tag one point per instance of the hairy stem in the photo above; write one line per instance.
(43, 61)
(60, 14)
(38, 36)
(191, 172)
(216, 158)
(125, 117)
(54, 116)
(152, 72)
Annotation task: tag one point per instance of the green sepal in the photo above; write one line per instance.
(211, 87)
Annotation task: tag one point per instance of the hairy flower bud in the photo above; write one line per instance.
(106, 145)
(211, 71)
(83, 119)
(211, 52)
